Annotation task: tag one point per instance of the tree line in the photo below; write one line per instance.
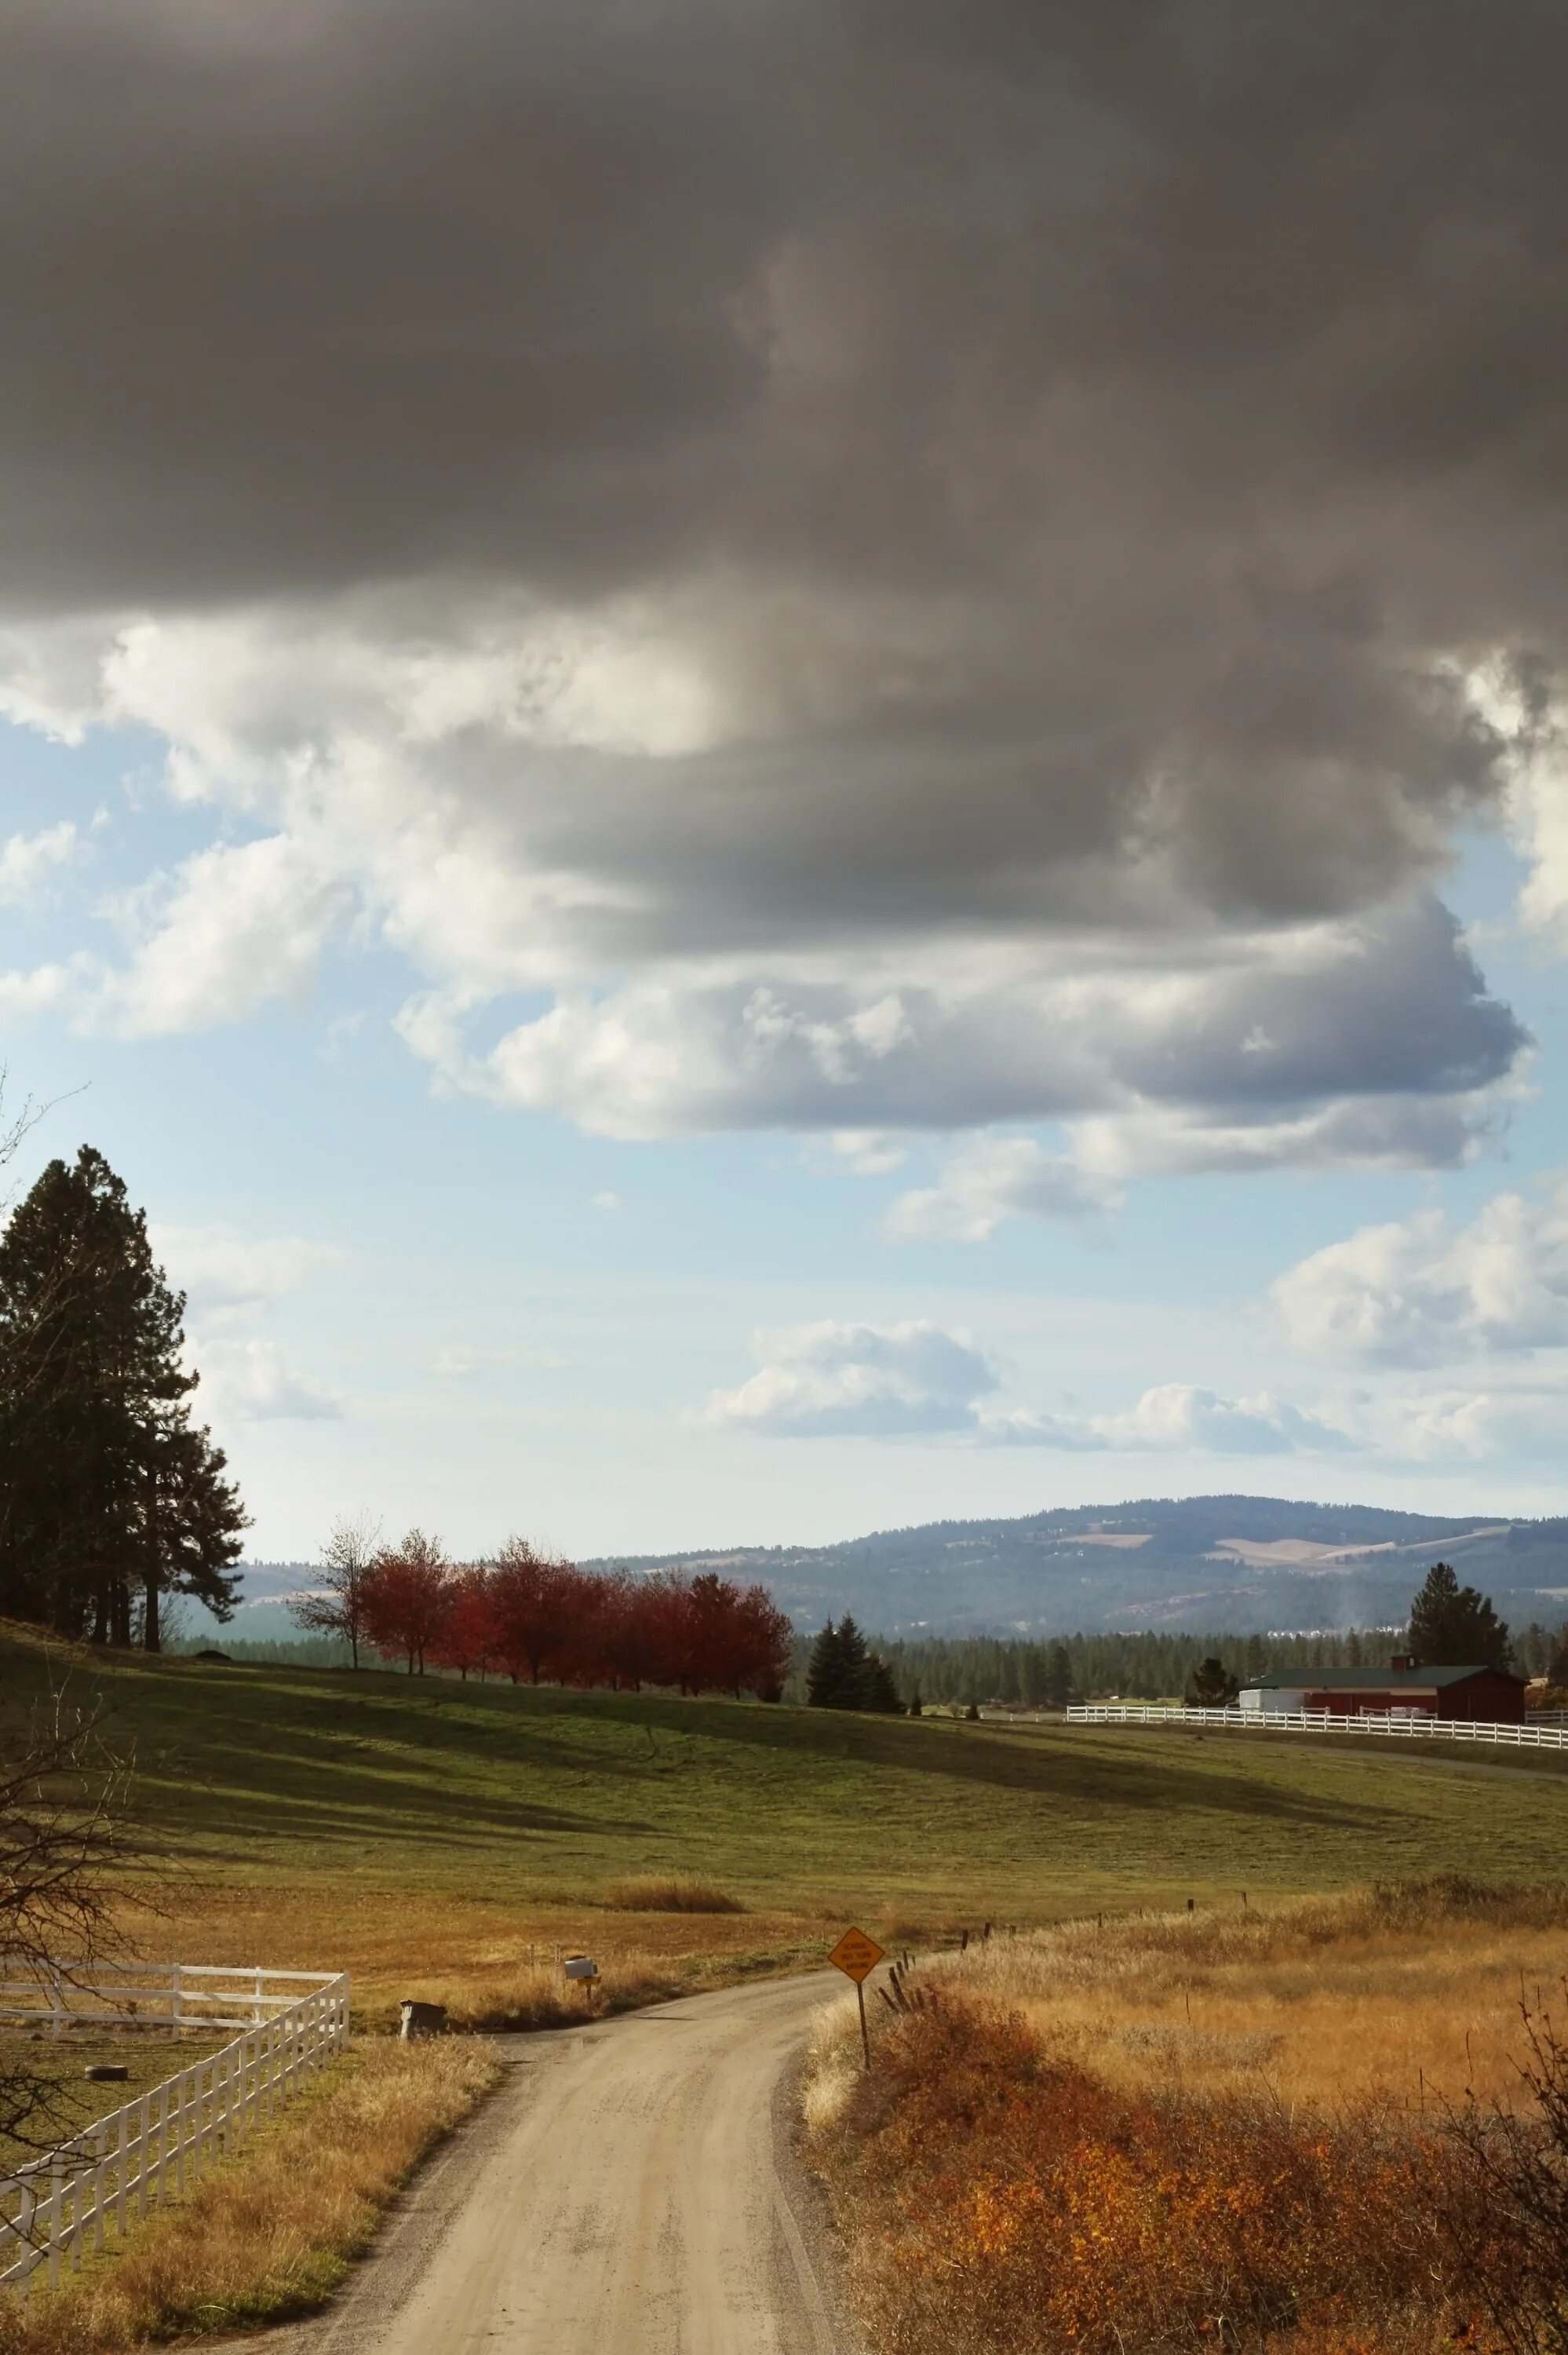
(112, 1497)
(533, 1618)
(1448, 1623)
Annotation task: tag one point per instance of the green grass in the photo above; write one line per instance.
(75, 2100)
(281, 1775)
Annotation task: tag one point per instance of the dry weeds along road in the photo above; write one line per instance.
(627, 2192)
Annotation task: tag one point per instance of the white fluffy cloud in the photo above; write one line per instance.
(1180, 1417)
(994, 1178)
(221, 1271)
(1420, 1291)
(237, 925)
(29, 860)
(834, 1380)
(246, 1381)
(229, 1279)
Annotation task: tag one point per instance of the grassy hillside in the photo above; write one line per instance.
(419, 1826)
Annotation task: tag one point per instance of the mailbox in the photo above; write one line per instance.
(581, 1966)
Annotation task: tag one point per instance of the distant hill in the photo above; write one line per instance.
(1220, 1563)
(1235, 1563)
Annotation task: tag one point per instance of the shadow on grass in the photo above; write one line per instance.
(268, 1755)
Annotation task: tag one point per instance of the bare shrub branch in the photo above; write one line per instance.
(64, 1859)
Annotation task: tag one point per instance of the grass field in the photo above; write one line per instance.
(431, 1836)
(73, 2099)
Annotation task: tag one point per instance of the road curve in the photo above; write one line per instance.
(620, 2194)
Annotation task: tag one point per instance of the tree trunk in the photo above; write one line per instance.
(151, 1640)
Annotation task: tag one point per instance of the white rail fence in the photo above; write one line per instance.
(61, 2205)
(165, 1997)
(1411, 1725)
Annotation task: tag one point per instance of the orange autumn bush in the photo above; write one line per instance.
(1020, 2204)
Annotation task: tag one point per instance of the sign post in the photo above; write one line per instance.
(857, 1956)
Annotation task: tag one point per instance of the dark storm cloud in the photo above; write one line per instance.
(1079, 450)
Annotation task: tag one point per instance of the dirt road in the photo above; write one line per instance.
(624, 2192)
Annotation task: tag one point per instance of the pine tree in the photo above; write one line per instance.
(1211, 1686)
(878, 1691)
(1455, 1626)
(107, 1489)
(852, 1658)
(825, 1674)
(844, 1674)
(1059, 1676)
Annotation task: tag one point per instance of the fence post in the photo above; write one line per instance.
(56, 2174)
(175, 2004)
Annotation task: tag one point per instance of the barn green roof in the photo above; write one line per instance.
(1369, 1680)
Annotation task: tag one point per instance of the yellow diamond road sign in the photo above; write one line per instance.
(856, 1954)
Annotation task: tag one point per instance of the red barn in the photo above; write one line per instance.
(1485, 1696)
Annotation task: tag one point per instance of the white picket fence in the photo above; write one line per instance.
(163, 1997)
(63, 2203)
(1411, 1725)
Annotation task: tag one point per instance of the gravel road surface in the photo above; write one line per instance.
(626, 2191)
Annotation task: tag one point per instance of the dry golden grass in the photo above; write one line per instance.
(268, 2233)
(1105, 2136)
(671, 1897)
(490, 1961)
(1409, 1995)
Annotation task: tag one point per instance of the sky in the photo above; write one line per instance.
(777, 768)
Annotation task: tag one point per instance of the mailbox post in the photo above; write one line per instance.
(583, 1968)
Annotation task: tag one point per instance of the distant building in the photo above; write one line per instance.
(1486, 1696)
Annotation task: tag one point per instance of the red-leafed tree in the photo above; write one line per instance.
(582, 1637)
(408, 1600)
(630, 1634)
(532, 1615)
(532, 1597)
(730, 1641)
(468, 1640)
(765, 1645)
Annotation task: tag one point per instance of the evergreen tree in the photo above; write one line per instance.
(1455, 1626)
(107, 1489)
(844, 1674)
(853, 1665)
(825, 1682)
(1211, 1685)
(878, 1691)
(1058, 1678)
